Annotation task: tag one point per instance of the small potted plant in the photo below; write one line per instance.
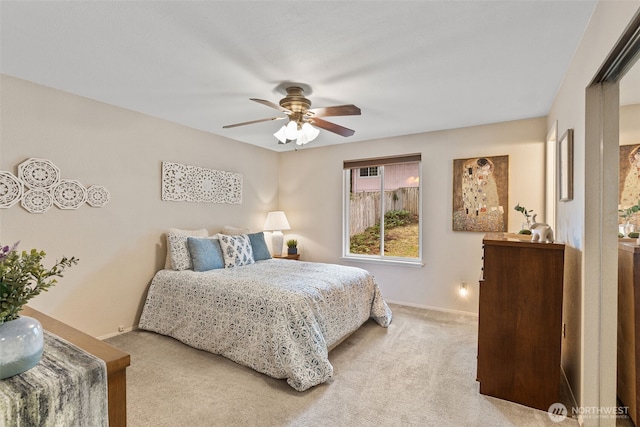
(292, 246)
(526, 227)
(22, 277)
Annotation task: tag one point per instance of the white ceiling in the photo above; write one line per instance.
(411, 66)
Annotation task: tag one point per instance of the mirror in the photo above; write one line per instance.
(629, 187)
(628, 224)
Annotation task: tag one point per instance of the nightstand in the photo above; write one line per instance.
(295, 256)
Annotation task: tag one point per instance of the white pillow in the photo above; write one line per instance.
(180, 245)
(236, 250)
(230, 230)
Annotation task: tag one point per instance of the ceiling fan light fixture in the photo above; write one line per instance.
(301, 116)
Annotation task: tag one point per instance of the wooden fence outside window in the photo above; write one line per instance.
(364, 209)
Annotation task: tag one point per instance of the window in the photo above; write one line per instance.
(372, 171)
(382, 209)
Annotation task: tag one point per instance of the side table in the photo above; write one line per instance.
(295, 256)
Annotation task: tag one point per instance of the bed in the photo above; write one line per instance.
(276, 316)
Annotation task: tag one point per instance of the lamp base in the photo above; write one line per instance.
(277, 241)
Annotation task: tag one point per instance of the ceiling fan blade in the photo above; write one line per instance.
(331, 127)
(271, 104)
(253, 121)
(338, 110)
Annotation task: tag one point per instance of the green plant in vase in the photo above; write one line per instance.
(22, 277)
(527, 213)
(292, 246)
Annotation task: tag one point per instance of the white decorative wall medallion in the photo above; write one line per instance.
(38, 187)
(69, 194)
(38, 173)
(37, 201)
(10, 189)
(97, 196)
(196, 184)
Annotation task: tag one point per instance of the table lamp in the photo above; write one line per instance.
(276, 222)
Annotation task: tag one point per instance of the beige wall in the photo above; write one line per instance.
(587, 345)
(121, 245)
(311, 195)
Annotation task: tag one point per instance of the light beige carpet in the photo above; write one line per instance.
(419, 372)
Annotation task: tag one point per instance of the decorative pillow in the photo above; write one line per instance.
(236, 250)
(189, 233)
(259, 246)
(230, 230)
(206, 253)
(180, 258)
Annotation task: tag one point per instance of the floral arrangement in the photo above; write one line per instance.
(22, 277)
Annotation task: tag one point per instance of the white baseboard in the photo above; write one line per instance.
(113, 334)
(428, 307)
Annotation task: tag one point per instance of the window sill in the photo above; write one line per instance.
(384, 261)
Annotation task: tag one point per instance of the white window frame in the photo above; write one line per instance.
(346, 191)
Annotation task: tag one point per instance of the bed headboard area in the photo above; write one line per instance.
(199, 251)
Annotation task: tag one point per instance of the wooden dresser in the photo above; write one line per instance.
(629, 327)
(116, 361)
(520, 320)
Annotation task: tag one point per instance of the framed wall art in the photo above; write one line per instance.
(565, 166)
(480, 194)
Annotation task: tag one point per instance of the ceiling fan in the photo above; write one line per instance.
(301, 117)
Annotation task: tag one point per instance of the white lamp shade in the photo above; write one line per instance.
(307, 134)
(291, 131)
(302, 138)
(310, 132)
(276, 221)
(281, 135)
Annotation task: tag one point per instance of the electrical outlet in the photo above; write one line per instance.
(120, 328)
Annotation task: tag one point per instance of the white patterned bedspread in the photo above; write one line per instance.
(278, 317)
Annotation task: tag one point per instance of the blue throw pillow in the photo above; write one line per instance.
(206, 253)
(259, 246)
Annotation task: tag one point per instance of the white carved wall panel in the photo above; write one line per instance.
(69, 194)
(195, 184)
(37, 201)
(97, 196)
(10, 189)
(38, 173)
